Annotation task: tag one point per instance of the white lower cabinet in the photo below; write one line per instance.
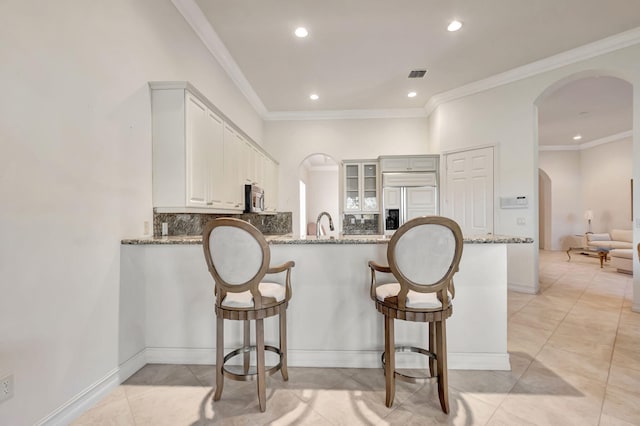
(200, 161)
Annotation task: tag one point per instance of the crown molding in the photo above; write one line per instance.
(347, 114)
(196, 19)
(587, 51)
(607, 139)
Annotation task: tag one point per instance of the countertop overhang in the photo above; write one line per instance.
(345, 239)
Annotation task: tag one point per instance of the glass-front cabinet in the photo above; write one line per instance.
(361, 186)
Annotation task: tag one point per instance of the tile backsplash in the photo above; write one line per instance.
(361, 224)
(193, 223)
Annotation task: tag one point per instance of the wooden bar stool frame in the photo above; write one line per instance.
(395, 307)
(263, 307)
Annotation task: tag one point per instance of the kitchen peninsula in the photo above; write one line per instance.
(166, 303)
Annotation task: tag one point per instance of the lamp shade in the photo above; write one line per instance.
(588, 215)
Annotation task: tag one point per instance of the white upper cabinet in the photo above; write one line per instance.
(201, 162)
(411, 163)
(233, 178)
(360, 188)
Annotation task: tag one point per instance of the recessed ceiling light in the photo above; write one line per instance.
(412, 94)
(577, 137)
(454, 26)
(314, 97)
(301, 32)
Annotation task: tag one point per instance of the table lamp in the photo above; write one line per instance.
(589, 216)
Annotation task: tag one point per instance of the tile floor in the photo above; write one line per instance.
(575, 354)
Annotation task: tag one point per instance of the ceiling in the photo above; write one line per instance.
(359, 53)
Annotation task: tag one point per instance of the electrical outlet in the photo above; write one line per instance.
(6, 388)
(146, 227)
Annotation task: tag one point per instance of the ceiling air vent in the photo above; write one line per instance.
(417, 73)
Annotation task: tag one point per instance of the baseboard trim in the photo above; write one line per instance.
(83, 401)
(520, 288)
(333, 359)
(133, 364)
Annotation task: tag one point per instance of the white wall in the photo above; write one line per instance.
(290, 142)
(506, 116)
(323, 194)
(596, 179)
(606, 176)
(75, 177)
(567, 205)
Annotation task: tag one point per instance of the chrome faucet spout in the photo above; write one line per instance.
(318, 223)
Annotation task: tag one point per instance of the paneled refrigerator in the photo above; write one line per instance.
(408, 195)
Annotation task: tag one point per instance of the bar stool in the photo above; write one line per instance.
(238, 257)
(423, 256)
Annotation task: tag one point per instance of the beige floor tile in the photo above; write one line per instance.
(372, 380)
(538, 317)
(625, 378)
(519, 363)
(152, 375)
(491, 387)
(571, 339)
(559, 303)
(541, 409)
(607, 420)
(424, 409)
(526, 339)
(504, 418)
(347, 407)
(622, 404)
(561, 361)
(172, 405)
(111, 413)
(628, 339)
(543, 397)
(626, 358)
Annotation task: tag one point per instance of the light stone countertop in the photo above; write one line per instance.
(345, 239)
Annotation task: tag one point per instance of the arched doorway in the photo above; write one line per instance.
(319, 176)
(585, 146)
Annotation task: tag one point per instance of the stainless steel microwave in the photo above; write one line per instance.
(253, 199)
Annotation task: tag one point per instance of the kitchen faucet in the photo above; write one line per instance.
(318, 223)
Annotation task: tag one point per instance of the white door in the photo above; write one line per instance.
(421, 201)
(468, 197)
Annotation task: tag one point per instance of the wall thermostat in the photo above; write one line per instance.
(519, 202)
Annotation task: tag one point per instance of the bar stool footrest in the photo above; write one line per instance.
(249, 376)
(406, 377)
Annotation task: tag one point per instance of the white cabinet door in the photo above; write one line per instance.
(215, 161)
(370, 187)
(200, 135)
(233, 184)
(361, 193)
(421, 201)
(352, 187)
(423, 164)
(410, 163)
(399, 164)
(391, 198)
(247, 161)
